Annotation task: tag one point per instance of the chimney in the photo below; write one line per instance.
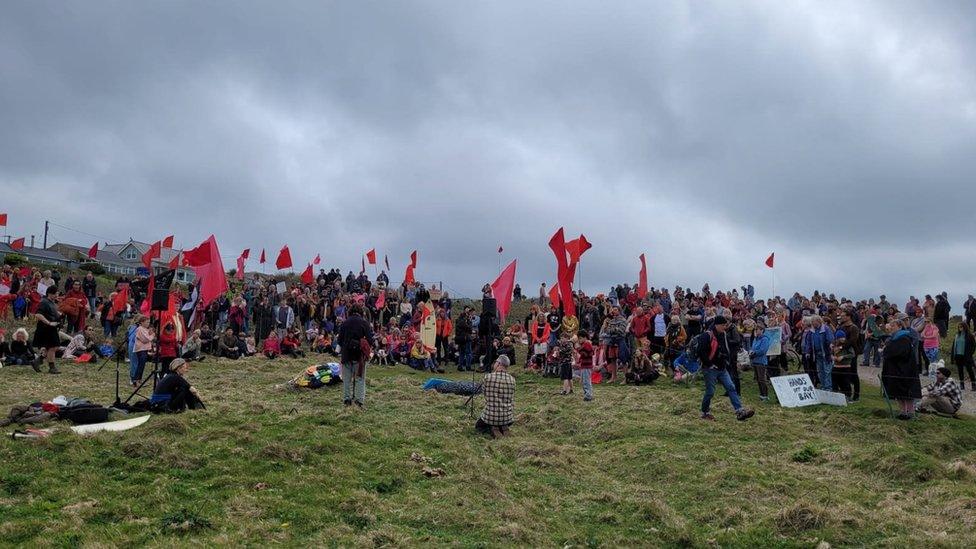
(32, 241)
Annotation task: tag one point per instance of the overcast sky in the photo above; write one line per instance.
(841, 135)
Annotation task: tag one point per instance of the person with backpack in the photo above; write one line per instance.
(713, 349)
(899, 369)
(352, 332)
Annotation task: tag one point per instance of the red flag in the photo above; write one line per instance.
(307, 277)
(199, 256)
(387, 261)
(500, 249)
(153, 252)
(262, 257)
(381, 300)
(168, 242)
(577, 247)
(240, 268)
(371, 256)
(317, 260)
(212, 276)
(642, 280)
(121, 300)
(3, 220)
(284, 258)
(563, 273)
(246, 253)
(769, 260)
(93, 251)
(413, 259)
(17, 244)
(502, 287)
(408, 277)
(175, 262)
(554, 295)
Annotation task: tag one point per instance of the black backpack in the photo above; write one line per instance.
(84, 414)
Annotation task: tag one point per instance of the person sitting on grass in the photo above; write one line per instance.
(174, 393)
(228, 345)
(21, 351)
(208, 340)
(271, 346)
(644, 368)
(943, 396)
(248, 345)
(421, 359)
(499, 390)
(291, 345)
(193, 348)
(322, 343)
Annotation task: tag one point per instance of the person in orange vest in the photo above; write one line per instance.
(444, 328)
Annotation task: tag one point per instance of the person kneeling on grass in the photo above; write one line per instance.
(715, 353)
(499, 390)
(174, 393)
(943, 396)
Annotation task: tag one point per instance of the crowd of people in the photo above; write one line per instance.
(615, 337)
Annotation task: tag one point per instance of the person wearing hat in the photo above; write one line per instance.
(715, 353)
(174, 393)
(499, 390)
(943, 396)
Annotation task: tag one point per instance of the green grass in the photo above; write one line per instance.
(635, 467)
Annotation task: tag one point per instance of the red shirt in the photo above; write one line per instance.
(586, 355)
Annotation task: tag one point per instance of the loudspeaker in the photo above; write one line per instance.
(160, 299)
(489, 307)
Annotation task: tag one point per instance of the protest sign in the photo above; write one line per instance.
(795, 391)
(281, 287)
(42, 288)
(775, 341)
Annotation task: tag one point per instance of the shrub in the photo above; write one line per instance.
(92, 267)
(14, 259)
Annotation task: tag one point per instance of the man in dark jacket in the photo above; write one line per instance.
(351, 333)
(462, 336)
(941, 313)
(716, 353)
(90, 287)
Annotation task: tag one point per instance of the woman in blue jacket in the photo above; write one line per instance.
(757, 356)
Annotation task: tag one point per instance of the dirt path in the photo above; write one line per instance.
(869, 375)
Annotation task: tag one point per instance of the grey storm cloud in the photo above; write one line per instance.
(842, 135)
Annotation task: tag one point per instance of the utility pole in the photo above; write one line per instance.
(45, 233)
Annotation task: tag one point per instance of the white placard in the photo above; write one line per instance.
(281, 287)
(775, 341)
(795, 391)
(834, 399)
(42, 288)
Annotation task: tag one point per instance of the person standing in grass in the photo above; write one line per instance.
(565, 350)
(899, 370)
(715, 353)
(499, 390)
(584, 350)
(759, 360)
(963, 347)
(46, 336)
(351, 334)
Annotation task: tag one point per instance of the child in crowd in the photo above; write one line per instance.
(565, 354)
(584, 351)
(272, 347)
(291, 345)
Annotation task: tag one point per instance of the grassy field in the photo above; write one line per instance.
(636, 467)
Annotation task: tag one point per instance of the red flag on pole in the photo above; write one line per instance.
(386, 260)
(381, 299)
(93, 251)
(246, 254)
(408, 276)
(371, 256)
(642, 280)
(196, 257)
(769, 260)
(413, 259)
(262, 257)
(307, 277)
(502, 287)
(563, 273)
(3, 220)
(213, 280)
(317, 259)
(168, 242)
(153, 252)
(17, 244)
(240, 268)
(284, 258)
(577, 247)
(120, 300)
(554, 295)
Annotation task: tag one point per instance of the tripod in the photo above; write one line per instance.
(157, 370)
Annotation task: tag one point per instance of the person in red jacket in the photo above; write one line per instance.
(640, 326)
(167, 346)
(272, 348)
